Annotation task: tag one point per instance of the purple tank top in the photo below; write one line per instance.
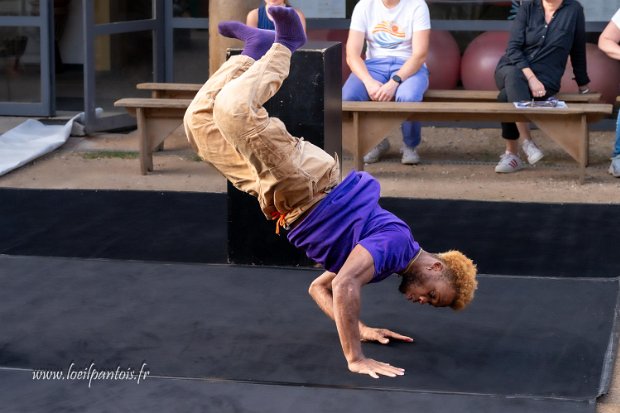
(351, 215)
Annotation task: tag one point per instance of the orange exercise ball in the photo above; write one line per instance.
(480, 59)
(443, 60)
(604, 73)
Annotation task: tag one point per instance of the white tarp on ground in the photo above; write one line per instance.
(29, 140)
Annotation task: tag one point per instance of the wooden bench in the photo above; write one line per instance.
(157, 119)
(365, 124)
(188, 91)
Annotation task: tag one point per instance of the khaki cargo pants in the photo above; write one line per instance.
(228, 126)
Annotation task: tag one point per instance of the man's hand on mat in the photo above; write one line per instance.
(375, 368)
(381, 335)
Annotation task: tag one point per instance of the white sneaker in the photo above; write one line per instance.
(377, 152)
(508, 163)
(531, 150)
(410, 156)
(614, 166)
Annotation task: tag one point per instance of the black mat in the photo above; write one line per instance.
(565, 240)
(536, 339)
(139, 225)
(21, 394)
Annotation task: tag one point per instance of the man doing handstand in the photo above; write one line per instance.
(338, 224)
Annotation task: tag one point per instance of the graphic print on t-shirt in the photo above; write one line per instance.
(388, 35)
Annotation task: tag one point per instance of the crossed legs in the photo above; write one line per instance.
(513, 87)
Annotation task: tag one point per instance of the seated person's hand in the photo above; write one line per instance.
(536, 87)
(372, 87)
(386, 92)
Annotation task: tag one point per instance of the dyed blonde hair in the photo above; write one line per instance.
(461, 271)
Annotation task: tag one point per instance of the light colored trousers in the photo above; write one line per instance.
(411, 90)
(228, 126)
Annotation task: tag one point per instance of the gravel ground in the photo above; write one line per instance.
(456, 164)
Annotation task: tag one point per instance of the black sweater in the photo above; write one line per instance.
(545, 48)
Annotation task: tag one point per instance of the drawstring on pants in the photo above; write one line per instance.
(281, 221)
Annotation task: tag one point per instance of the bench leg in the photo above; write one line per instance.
(146, 157)
(571, 133)
(159, 94)
(153, 131)
(358, 155)
(350, 138)
(363, 131)
(585, 149)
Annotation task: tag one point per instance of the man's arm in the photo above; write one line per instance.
(338, 295)
(354, 47)
(321, 292)
(608, 41)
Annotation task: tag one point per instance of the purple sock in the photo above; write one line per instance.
(256, 41)
(289, 30)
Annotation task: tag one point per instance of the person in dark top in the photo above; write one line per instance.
(544, 34)
(260, 19)
(338, 224)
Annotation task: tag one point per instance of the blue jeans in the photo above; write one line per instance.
(617, 144)
(411, 90)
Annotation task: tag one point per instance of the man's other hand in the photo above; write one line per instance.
(375, 368)
(381, 335)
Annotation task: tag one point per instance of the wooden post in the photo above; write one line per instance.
(221, 10)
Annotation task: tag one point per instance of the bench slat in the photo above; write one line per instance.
(414, 107)
(485, 109)
(191, 87)
(153, 103)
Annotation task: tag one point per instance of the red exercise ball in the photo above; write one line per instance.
(604, 73)
(443, 60)
(480, 59)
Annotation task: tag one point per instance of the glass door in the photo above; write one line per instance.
(123, 46)
(26, 64)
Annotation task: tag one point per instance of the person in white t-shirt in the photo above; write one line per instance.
(608, 42)
(396, 34)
